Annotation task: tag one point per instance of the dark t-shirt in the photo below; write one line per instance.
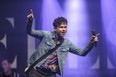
(51, 63)
(13, 74)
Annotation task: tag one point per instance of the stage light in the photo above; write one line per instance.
(76, 14)
(50, 10)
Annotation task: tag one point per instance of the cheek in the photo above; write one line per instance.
(66, 29)
(59, 30)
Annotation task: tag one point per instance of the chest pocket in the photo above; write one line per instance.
(49, 44)
(64, 49)
(63, 52)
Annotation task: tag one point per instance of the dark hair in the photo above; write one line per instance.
(58, 21)
(6, 60)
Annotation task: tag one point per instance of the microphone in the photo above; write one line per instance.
(94, 34)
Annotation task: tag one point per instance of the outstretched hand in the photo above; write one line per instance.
(95, 37)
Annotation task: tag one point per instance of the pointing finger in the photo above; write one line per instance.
(31, 11)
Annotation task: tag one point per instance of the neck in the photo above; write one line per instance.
(58, 38)
(8, 72)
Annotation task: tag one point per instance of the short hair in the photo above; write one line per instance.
(6, 60)
(58, 21)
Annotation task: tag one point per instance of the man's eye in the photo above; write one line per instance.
(60, 27)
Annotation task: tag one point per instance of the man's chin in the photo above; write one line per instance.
(62, 35)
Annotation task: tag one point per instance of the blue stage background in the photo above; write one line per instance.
(83, 16)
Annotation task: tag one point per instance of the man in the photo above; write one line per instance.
(54, 63)
(7, 70)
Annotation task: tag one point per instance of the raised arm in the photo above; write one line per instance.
(30, 31)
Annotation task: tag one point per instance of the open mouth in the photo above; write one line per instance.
(63, 33)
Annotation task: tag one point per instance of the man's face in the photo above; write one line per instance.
(62, 29)
(6, 65)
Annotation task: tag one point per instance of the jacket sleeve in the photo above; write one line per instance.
(82, 52)
(34, 33)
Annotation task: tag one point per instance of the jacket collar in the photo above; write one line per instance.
(53, 35)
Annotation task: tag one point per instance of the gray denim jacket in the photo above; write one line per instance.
(48, 43)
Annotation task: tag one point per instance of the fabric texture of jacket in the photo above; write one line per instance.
(48, 43)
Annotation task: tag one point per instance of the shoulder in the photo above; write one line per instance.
(45, 33)
(50, 34)
(67, 41)
(0, 74)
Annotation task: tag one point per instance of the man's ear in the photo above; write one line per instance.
(55, 29)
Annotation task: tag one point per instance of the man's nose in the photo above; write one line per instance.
(64, 29)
